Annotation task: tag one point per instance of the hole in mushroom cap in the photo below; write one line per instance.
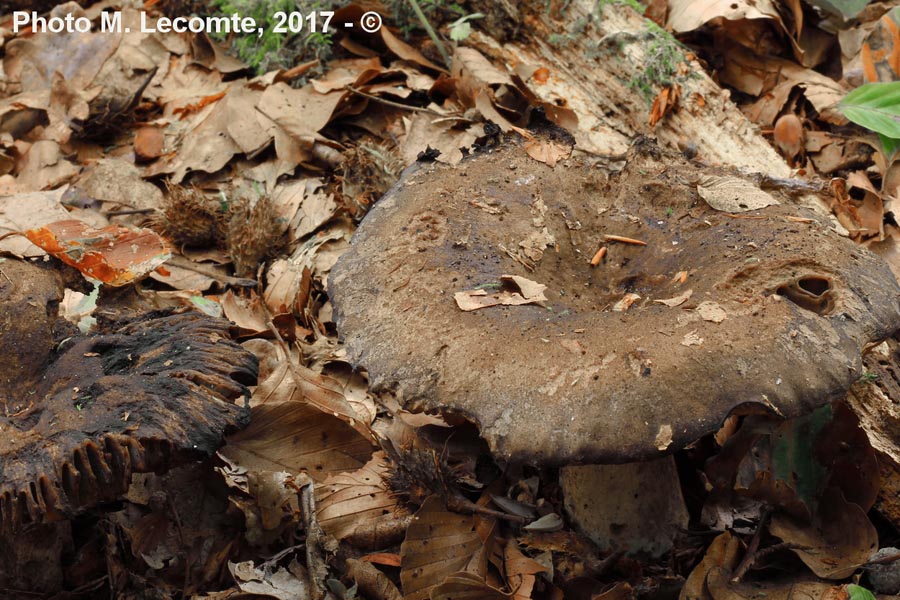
(812, 292)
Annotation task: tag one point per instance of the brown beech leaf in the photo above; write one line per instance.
(468, 586)
(720, 587)
(348, 502)
(296, 437)
(438, 544)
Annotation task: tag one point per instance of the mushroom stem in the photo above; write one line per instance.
(634, 507)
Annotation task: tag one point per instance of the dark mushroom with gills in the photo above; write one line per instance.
(82, 413)
(690, 314)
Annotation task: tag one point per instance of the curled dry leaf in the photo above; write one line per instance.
(372, 582)
(711, 311)
(720, 587)
(300, 423)
(284, 584)
(625, 302)
(463, 585)
(114, 255)
(724, 552)
(840, 539)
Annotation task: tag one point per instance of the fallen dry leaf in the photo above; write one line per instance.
(114, 255)
(350, 503)
(438, 544)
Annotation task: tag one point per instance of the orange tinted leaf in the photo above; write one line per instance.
(541, 75)
(390, 559)
(115, 255)
(197, 106)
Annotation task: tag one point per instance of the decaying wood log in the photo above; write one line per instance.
(597, 62)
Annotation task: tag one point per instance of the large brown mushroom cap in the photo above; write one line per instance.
(145, 395)
(575, 381)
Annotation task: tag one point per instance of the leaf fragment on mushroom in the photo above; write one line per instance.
(692, 339)
(677, 300)
(733, 194)
(528, 292)
(534, 244)
(547, 151)
(711, 311)
(625, 303)
(664, 437)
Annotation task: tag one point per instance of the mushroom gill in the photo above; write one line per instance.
(83, 413)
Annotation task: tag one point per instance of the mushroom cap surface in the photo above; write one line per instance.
(573, 380)
(145, 395)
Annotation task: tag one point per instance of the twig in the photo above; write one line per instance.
(185, 263)
(431, 33)
(183, 538)
(598, 256)
(517, 258)
(130, 211)
(752, 553)
(393, 104)
(315, 562)
(624, 240)
(792, 187)
(273, 560)
(295, 72)
(457, 503)
(884, 560)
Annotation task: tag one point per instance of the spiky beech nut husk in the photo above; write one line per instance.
(254, 234)
(190, 218)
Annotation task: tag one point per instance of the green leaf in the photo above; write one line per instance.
(889, 147)
(875, 106)
(857, 592)
(460, 31)
(847, 9)
(794, 459)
